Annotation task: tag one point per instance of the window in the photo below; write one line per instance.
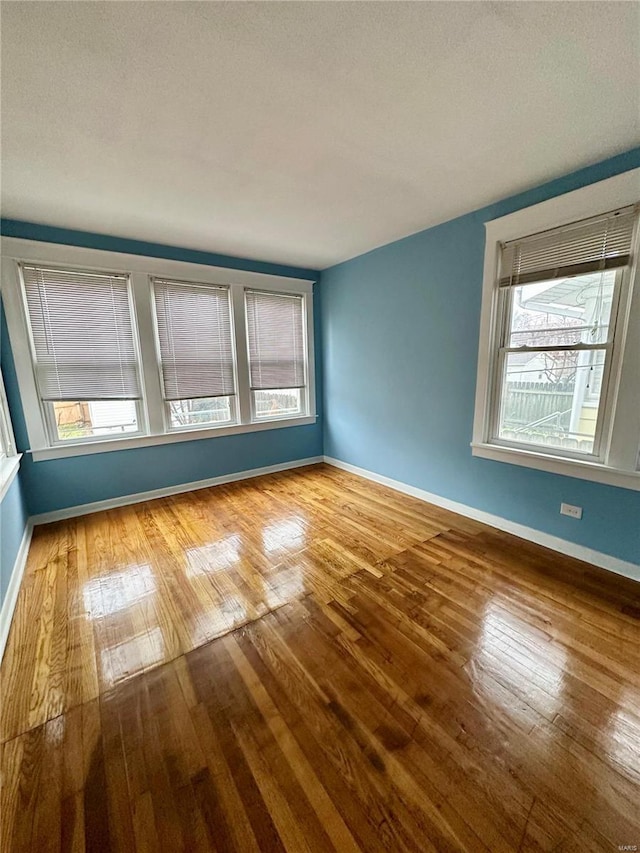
(115, 351)
(557, 340)
(558, 384)
(9, 458)
(196, 353)
(84, 351)
(275, 330)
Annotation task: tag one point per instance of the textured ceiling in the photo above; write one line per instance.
(303, 133)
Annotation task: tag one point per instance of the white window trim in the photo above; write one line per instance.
(618, 462)
(9, 467)
(9, 457)
(141, 269)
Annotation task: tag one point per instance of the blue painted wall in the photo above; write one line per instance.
(13, 521)
(402, 323)
(59, 483)
(401, 320)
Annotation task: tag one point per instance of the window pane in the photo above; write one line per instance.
(551, 398)
(201, 411)
(277, 402)
(86, 419)
(562, 312)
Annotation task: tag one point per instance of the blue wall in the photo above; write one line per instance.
(13, 521)
(402, 323)
(401, 320)
(59, 483)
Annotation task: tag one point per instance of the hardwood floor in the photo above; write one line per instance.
(309, 661)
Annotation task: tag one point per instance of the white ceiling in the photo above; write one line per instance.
(304, 133)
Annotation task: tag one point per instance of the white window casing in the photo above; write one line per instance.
(573, 235)
(9, 457)
(171, 356)
(7, 440)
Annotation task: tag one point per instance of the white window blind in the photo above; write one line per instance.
(593, 245)
(275, 330)
(82, 334)
(196, 346)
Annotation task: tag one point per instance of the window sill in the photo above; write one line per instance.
(578, 468)
(86, 448)
(9, 466)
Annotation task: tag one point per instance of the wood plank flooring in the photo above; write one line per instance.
(311, 662)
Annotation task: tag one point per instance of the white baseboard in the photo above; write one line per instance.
(10, 599)
(139, 497)
(580, 552)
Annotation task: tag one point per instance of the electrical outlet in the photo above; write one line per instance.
(572, 511)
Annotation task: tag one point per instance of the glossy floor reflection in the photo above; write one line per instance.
(308, 661)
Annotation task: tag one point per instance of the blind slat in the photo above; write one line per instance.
(275, 330)
(194, 330)
(591, 246)
(82, 334)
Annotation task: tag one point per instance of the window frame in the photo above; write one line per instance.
(141, 270)
(502, 350)
(46, 406)
(9, 456)
(613, 462)
(7, 438)
(305, 390)
(166, 404)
